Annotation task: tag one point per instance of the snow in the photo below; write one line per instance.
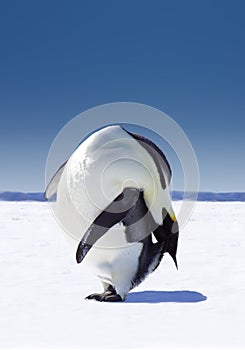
(200, 305)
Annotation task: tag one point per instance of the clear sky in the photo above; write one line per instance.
(59, 58)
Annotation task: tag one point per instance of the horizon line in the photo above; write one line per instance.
(208, 196)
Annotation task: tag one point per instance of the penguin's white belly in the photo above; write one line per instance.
(114, 260)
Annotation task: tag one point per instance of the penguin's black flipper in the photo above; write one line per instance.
(168, 234)
(53, 183)
(113, 214)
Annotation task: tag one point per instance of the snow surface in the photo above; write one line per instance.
(42, 288)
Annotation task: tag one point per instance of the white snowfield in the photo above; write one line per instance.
(42, 288)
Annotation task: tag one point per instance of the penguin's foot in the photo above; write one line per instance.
(105, 297)
(109, 295)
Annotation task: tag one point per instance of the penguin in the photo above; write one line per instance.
(113, 202)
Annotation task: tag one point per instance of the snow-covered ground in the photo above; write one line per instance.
(42, 288)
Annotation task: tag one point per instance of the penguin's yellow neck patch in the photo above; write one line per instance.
(173, 217)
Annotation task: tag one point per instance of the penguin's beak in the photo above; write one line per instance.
(171, 247)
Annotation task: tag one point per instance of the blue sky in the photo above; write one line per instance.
(59, 58)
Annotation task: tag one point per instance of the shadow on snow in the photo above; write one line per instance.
(153, 296)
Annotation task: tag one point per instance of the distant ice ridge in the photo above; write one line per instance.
(22, 196)
(176, 195)
(212, 196)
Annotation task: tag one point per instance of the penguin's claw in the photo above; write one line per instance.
(106, 296)
(111, 298)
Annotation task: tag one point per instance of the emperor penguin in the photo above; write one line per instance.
(113, 202)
